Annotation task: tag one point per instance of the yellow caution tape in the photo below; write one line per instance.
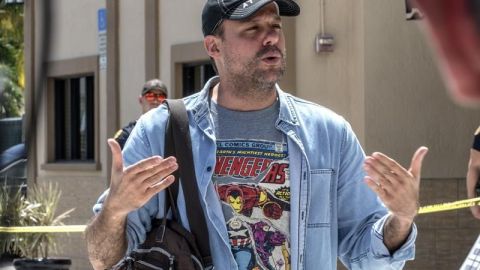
(81, 228)
(44, 229)
(448, 206)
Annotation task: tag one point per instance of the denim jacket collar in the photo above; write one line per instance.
(287, 111)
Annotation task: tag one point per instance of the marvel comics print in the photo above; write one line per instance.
(252, 182)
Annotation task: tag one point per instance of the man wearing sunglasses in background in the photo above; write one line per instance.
(154, 92)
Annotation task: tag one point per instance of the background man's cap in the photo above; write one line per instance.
(215, 11)
(154, 84)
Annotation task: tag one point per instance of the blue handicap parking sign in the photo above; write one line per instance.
(102, 19)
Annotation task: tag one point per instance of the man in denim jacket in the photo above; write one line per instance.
(282, 180)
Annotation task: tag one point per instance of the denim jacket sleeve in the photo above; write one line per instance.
(361, 216)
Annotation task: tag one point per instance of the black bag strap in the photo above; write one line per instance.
(177, 138)
(172, 191)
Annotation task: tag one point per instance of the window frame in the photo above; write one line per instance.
(66, 69)
(202, 65)
(181, 54)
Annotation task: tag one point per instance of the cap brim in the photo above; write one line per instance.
(150, 89)
(286, 8)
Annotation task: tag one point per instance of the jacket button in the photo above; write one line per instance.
(209, 168)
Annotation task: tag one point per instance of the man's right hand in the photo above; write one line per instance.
(132, 187)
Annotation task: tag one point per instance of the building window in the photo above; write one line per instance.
(74, 110)
(195, 75)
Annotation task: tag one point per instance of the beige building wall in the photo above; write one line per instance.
(74, 36)
(180, 23)
(131, 58)
(333, 79)
(74, 32)
(75, 28)
(406, 103)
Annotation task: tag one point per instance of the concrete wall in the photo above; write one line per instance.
(74, 32)
(180, 23)
(406, 104)
(75, 28)
(132, 58)
(336, 79)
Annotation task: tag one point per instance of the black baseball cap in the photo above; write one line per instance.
(215, 11)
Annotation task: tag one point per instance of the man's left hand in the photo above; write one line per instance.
(397, 187)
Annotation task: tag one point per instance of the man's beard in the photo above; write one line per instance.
(252, 81)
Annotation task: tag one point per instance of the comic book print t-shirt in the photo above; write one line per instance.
(252, 181)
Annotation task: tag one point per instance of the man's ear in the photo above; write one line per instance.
(140, 99)
(211, 44)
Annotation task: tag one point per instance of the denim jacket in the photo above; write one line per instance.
(333, 213)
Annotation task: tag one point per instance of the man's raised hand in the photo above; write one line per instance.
(132, 187)
(396, 186)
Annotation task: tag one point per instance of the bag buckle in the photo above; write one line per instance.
(160, 234)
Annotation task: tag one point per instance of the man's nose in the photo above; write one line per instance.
(272, 37)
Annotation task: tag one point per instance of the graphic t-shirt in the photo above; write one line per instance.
(252, 181)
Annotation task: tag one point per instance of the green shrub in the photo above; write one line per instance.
(37, 209)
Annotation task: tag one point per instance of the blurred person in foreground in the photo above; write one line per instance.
(453, 30)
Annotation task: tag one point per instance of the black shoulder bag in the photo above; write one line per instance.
(168, 244)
